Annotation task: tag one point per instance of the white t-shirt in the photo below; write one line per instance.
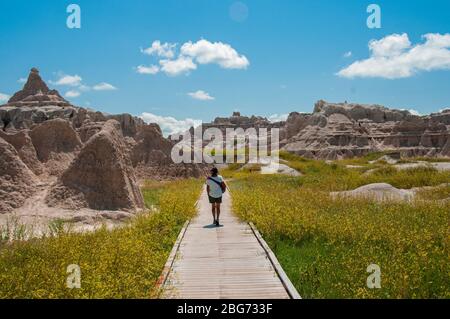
(215, 190)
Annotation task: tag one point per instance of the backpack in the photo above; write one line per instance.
(222, 185)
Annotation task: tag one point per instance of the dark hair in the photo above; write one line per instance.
(214, 171)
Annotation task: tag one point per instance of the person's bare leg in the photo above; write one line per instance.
(213, 209)
(218, 212)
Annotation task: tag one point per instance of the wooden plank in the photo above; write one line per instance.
(221, 262)
(280, 271)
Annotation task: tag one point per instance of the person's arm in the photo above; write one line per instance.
(207, 188)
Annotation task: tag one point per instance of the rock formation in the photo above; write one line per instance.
(446, 149)
(151, 155)
(81, 158)
(89, 129)
(151, 147)
(239, 121)
(345, 130)
(78, 157)
(59, 130)
(36, 93)
(25, 149)
(101, 177)
(56, 143)
(378, 192)
(382, 192)
(129, 124)
(16, 180)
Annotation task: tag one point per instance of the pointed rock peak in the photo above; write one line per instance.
(36, 93)
(35, 84)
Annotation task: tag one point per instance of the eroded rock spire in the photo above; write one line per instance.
(35, 92)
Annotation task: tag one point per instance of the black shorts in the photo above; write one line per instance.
(213, 200)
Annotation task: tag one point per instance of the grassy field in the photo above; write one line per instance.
(326, 245)
(123, 263)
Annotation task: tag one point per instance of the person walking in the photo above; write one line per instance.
(215, 187)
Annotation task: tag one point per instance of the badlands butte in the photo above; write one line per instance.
(58, 160)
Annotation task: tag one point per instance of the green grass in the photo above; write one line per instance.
(424, 159)
(152, 191)
(435, 193)
(326, 245)
(335, 176)
(121, 263)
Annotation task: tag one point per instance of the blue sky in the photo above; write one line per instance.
(294, 50)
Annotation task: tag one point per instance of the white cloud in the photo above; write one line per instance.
(152, 69)
(76, 82)
(165, 50)
(394, 57)
(392, 45)
(72, 94)
(179, 66)
(4, 98)
(170, 125)
(278, 117)
(83, 88)
(68, 80)
(201, 95)
(348, 54)
(22, 80)
(205, 52)
(104, 87)
(413, 112)
(190, 55)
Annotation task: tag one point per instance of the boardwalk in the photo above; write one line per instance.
(224, 262)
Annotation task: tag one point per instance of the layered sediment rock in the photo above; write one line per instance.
(345, 130)
(25, 149)
(239, 121)
(56, 143)
(96, 157)
(101, 177)
(54, 137)
(446, 149)
(151, 156)
(151, 147)
(17, 182)
(65, 128)
(128, 123)
(89, 153)
(36, 93)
